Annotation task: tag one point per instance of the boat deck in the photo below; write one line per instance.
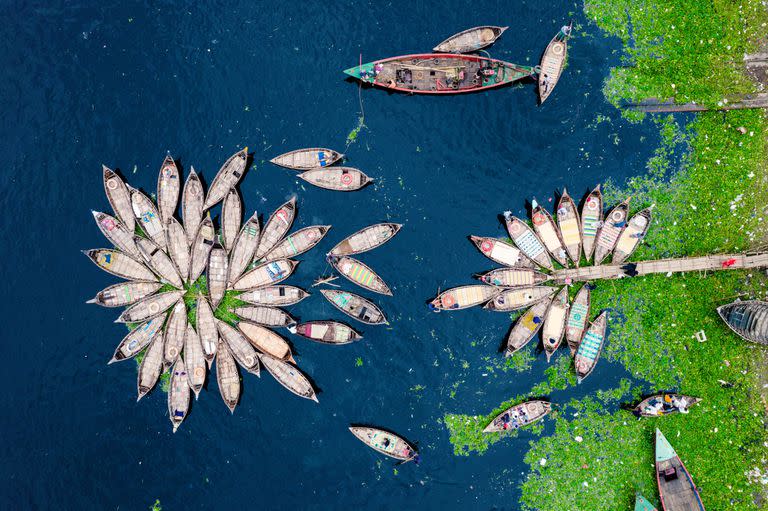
(678, 493)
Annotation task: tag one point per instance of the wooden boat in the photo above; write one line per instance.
(116, 233)
(124, 293)
(578, 314)
(147, 217)
(519, 298)
(307, 159)
(514, 277)
(613, 226)
(267, 316)
(119, 198)
(502, 252)
(227, 377)
(664, 404)
(357, 272)
(355, 306)
(366, 239)
(158, 261)
(168, 186)
(265, 274)
(340, 179)
(150, 307)
(328, 332)
(677, 490)
(289, 377)
(552, 62)
(266, 341)
(178, 248)
(138, 339)
(641, 504)
(243, 248)
(119, 264)
(228, 176)
(298, 242)
(205, 325)
(385, 442)
(274, 295)
(748, 319)
(547, 232)
(217, 274)
(463, 297)
(470, 40)
(231, 216)
(554, 322)
(178, 394)
(526, 327)
(201, 249)
(518, 416)
(527, 241)
(630, 238)
(589, 350)
(241, 349)
(195, 360)
(275, 228)
(192, 200)
(591, 218)
(151, 366)
(570, 228)
(175, 332)
(439, 73)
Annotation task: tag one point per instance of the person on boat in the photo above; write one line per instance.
(385, 442)
(545, 83)
(566, 30)
(680, 403)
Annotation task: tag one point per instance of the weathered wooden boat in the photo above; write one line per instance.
(613, 226)
(328, 332)
(231, 216)
(385, 442)
(168, 185)
(192, 200)
(470, 40)
(527, 241)
(147, 217)
(677, 490)
(116, 233)
(502, 252)
(267, 316)
(578, 314)
(119, 264)
(547, 232)
(514, 277)
(664, 404)
(518, 416)
(178, 248)
(526, 327)
(119, 198)
(307, 159)
(150, 368)
(274, 295)
(630, 238)
(138, 339)
(228, 176)
(553, 331)
(591, 218)
(439, 73)
(590, 347)
(355, 306)
(641, 504)
(748, 319)
(178, 394)
(158, 261)
(175, 332)
(205, 325)
(227, 376)
(463, 297)
(570, 228)
(243, 248)
(195, 360)
(366, 239)
(265, 274)
(519, 298)
(217, 274)
(241, 349)
(266, 341)
(289, 377)
(201, 249)
(357, 272)
(297, 242)
(340, 179)
(552, 62)
(124, 293)
(150, 307)
(275, 228)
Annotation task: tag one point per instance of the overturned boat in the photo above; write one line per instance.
(748, 319)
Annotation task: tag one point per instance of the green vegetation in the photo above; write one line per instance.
(156, 506)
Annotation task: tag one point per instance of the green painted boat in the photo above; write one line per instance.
(641, 504)
(677, 490)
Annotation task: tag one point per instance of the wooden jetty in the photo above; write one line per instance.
(757, 100)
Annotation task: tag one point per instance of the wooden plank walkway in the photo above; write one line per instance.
(758, 100)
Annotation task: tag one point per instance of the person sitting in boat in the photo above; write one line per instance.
(681, 404)
(566, 30)
(545, 82)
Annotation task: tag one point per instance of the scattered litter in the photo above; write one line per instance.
(700, 336)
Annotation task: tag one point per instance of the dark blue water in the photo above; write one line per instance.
(123, 83)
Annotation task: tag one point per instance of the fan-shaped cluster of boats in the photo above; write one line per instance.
(317, 166)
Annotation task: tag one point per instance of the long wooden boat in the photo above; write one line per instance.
(150, 307)
(241, 349)
(231, 217)
(553, 331)
(195, 360)
(151, 367)
(677, 490)
(227, 376)
(178, 394)
(119, 198)
(205, 325)
(119, 264)
(201, 249)
(289, 377)
(174, 334)
(297, 242)
(158, 260)
(274, 295)
(748, 319)
(470, 40)
(527, 241)
(502, 252)
(570, 227)
(328, 332)
(514, 277)
(340, 179)
(178, 248)
(526, 327)
(307, 159)
(463, 297)
(217, 274)
(243, 248)
(265, 274)
(519, 298)
(589, 350)
(147, 217)
(124, 293)
(613, 226)
(355, 306)
(518, 416)
(545, 228)
(276, 228)
(228, 176)
(267, 316)
(578, 314)
(630, 238)
(385, 442)
(266, 341)
(552, 62)
(138, 339)
(168, 186)
(360, 274)
(664, 404)
(591, 217)
(192, 200)
(366, 239)
(641, 504)
(116, 233)
(439, 73)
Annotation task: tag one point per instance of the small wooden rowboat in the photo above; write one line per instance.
(206, 328)
(677, 490)
(552, 62)
(265, 274)
(147, 217)
(502, 252)
(195, 360)
(307, 159)
(518, 416)
(554, 323)
(201, 249)
(124, 293)
(514, 277)
(231, 216)
(589, 350)
(178, 248)
(357, 272)
(748, 319)
(150, 368)
(385, 442)
(630, 239)
(526, 327)
(289, 377)
(227, 376)
(591, 217)
(119, 264)
(641, 504)
(266, 341)
(664, 404)
(439, 73)
(328, 332)
(545, 228)
(243, 248)
(366, 239)
(274, 295)
(614, 225)
(578, 314)
(267, 316)
(241, 349)
(516, 299)
(275, 228)
(178, 394)
(116, 233)
(340, 179)
(168, 186)
(355, 306)
(570, 228)
(192, 200)
(217, 274)
(470, 40)
(463, 297)
(150, 307)
(138, 339)
(175, 332)
(527, 241)
(298, 242)
(119, 198)
(158, 260)
(228, 176)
